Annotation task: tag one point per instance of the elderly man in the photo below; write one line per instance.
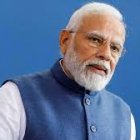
(70, 102)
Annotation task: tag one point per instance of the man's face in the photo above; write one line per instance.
(93, 51)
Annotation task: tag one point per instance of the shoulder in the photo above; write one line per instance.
(30, 77)
(29, 80)
(116, 100)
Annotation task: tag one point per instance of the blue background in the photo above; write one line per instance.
(29, 42)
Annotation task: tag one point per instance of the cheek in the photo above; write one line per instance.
(83, 51)
(113, 65)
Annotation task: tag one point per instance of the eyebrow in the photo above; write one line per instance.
(97, 34)
(117, 42)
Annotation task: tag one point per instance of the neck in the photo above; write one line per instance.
(65, 70)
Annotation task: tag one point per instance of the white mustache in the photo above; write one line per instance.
(102, 63)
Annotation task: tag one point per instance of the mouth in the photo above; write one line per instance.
(99, 69)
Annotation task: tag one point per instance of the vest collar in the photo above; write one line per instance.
(66, 81)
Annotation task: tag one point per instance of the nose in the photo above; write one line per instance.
(104, 52)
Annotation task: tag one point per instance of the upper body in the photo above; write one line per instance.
(65, 107)
(91, 45)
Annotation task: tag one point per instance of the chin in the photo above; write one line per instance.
(92, 82)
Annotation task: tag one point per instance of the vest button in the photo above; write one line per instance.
(87, 101)
(93, 128)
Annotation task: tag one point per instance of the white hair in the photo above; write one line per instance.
(92, 8)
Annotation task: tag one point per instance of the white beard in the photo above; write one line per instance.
(86, 78)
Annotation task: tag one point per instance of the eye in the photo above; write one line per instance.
(116, 48)
(94, 39)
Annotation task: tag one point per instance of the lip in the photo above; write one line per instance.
(99, 69)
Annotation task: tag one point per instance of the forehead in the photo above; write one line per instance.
(104, 24)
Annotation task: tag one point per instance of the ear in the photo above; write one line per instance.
(64, 40)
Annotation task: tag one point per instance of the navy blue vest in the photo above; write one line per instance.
(57, 108)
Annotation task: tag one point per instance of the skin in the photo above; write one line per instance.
(109, 27)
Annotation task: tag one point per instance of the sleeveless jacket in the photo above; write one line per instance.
(57, 108)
